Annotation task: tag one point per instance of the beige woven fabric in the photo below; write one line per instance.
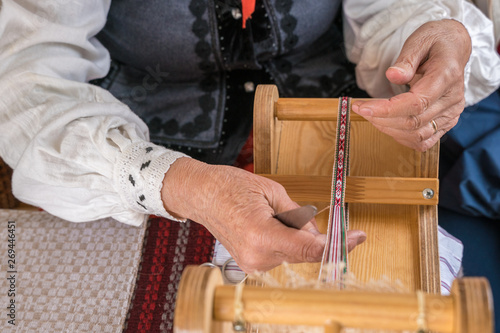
(71, 277)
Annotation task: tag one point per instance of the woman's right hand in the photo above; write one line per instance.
(237, 207)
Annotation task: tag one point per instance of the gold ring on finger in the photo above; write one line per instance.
(434, 125)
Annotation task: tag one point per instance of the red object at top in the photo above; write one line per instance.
(247, 8)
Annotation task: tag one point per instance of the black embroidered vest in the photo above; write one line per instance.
(188, 69)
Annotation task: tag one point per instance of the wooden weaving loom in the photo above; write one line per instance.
(392, 193)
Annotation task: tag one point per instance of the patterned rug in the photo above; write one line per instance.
(169, 247)
(59, 276)
(96, 276)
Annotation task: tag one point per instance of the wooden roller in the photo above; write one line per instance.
(204, 304)
(310, 109)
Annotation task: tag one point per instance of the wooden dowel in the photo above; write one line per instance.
(204, 303)
(363, 310)
(311, 109)
(383, 190)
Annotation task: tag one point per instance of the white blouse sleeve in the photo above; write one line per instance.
(76, 151)
(375, 31)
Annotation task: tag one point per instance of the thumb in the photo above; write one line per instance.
(405, 67)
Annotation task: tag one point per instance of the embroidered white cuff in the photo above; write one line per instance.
(140, 172)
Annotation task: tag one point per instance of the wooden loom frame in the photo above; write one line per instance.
(204, 304)
(272, 113)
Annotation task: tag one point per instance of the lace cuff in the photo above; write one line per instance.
(140, 172)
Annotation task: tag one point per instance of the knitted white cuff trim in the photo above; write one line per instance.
(139, 174)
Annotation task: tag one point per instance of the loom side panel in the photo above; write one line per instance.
(430, 276)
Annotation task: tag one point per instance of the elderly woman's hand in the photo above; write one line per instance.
(237, 207)
(432, 63)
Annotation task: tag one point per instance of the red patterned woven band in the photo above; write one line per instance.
(334, 263)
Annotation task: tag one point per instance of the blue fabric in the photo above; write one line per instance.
(470, 161)
(469, 195)
(481, 239)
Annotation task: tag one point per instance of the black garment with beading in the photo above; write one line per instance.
(188, 69)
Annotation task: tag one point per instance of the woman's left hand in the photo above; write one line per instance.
(432, 63)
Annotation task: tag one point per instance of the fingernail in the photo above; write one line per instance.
(361, 239)
(364, 111)
(398, 68)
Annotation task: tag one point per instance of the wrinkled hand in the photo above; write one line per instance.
(237, 207)
(432, 63)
